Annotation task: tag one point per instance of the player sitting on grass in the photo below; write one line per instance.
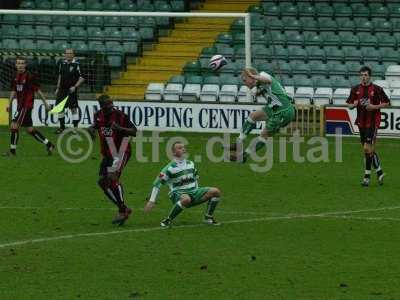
(23, 87)
(278, 112)
(181, 177)
(113, 127)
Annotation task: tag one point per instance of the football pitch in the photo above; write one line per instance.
(300, 231)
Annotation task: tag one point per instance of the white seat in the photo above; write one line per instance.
(209, 92)
(395, 96)
(290, 91)
(173, 92)
(382, 83)
(394, 84)
(322, 96)
(154, 91)
(392, 73)
(191, 92)
(303, 95)
(340, 96)
(228, 93)
(388, 92)
(245, 95)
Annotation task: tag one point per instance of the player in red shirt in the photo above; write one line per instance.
(368, 98)
(23, 87)
(114, 129)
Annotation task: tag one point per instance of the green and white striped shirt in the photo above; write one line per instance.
(179, 175)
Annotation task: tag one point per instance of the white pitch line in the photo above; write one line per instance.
(287, 217)
(364, 218)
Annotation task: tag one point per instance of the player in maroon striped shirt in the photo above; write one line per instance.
(114, 129)
(368, 98)
(23, 87)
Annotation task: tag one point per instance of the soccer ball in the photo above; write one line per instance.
(217, 62)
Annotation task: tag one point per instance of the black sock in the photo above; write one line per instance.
(39, 137)
(377, 164)
(75, 122)
(118, 193)
(62, 122)
(368, 165)
(14, 141)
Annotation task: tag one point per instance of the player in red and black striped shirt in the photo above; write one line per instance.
(368, 98)
(114, 129)
(23, 87)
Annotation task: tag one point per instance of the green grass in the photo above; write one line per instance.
(258, 253)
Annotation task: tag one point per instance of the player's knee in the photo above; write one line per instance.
(216, 192)
(103, 182)
(368, 149)
(185, 201)
(30, 130)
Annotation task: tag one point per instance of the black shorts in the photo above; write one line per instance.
(368, 135)
(72, 101)
(23, 117)
(111, 165)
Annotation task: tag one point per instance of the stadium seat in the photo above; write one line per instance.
(27, 4)
(77, 20)
(60, 20)
(321, 81)
(289, 90)
(382, 25)
(154, 91)
(389, 55)
(192, 68)
(288, 9)
(79, 46)
(384, 39)
(78, 5)
(111, 5)
(114, 47)
(297, 52)
(131, 48)
(61, 45)
(299, 67)
(173, 92)
(95, 21)
(97, 46)
(43, 5)
(177, 5)
(327, 24)
(364, 25)
(26, 19)
(112, 21)
(353, 68)
(228, 93)
(147, 34)
(276, 38)
(370, 54)
(301, 81)
(367, 39)
(304, 9)
(324, 9)
(304, 95)
(378, 9)
(330, 39)
(352, 54)
(271, 10)
(9, 32)
(244, 95)
(274, 24)
(334, 53)
(10, 44)
(360, 10)
(345, 24)
(209, 93)
(318, 68)
(191, 92)
(393, 73)
(60, 5)
(95, 33)
(394, 10)
(291, 23)
(322, 96)
(112, 34)
(44, 45)
(336, 68)
(342, 10)
(27, 44)
(312, 38)
(127, 5)
(281, 52)
(309, 24)
(294, 38)
(382, 83)
(281, 67)
(340, 96)
(130, 35)
(339, 82)
(26, 31)
(395, 97)
(347, 38)
(78, 33)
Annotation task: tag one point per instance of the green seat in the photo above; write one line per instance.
(238, 38)
(96, 46)
(114, 61)
(257, 22)
(131, 48)
(113, 21)
(255, 9)
(112, 33)
(147, 22)
(299, 67)
(258, 37)
(194, 79)
(177, 5)
(330, 39)
(228, 79)
(309, 24)
(61, 45)
(60, 33)
(352, 54)
(353, 68)
(354, 80)
(324, 9)
(360, 10)
(192, 67)
(10, 19)
(94, 5)
(178, 79)
(78, 5)
(364, 25)
(334, 53)
(281, 67)
(238, 25)
(78, 33)
(272, 23)
(291, 23)
(339, 82)
(378, 70)
(342, 10)
(297, 52)
(370, 54)
(262, 52)
(345, 24)
(10, 44)
(130, 35)
(60, 5)
(327, 24)
(95, 21)
(288, 9)
(43, 5)
(44, 45)
(230, 68)
(227, 52)
(60, 20)
(304, 9)
(130, 22)
(382, 25)
(95, 33)
(147, 33)
(378, 10)
(114, 47)
(321, 81)
(27, 19)
(318, 68)
(78, 46)
(27, 44)
(271, 10)
(77, 20)
(347, 38)
(44, 32)
(315, 53)
(367, 39)
(224, 38)
(211, 80)
(389, 55)
(287, 81)
(9, 32)
(276, 38)
(208, 52)
(111, 6)
(281, 52)
(146, 6)
(26, 31)
(239, 52)
(336, 68)
(302, 81)
(127, 5)
(44, 20)
(27, 4)
(394, 10)
(313, 39)
(396, 25)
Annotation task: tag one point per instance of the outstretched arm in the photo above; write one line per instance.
(151, 203)
(125, 130)
(39, 91)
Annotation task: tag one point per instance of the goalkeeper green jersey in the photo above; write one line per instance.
(275, 95)
(179, 175)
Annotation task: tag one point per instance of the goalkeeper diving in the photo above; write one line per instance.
(277, 113)
(181, 176)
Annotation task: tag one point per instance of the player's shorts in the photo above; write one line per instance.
(23, 117)
(72, 101)
(195, 195)
(368, 135)
(113, 165)
(277, 120)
